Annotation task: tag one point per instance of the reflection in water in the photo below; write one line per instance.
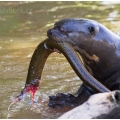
(23, 26)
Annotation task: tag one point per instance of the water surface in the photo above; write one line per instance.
(23, 26)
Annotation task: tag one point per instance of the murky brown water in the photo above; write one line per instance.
(23, 26)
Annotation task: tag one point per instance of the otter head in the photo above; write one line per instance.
(73, 31)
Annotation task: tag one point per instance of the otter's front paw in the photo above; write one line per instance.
(62, 99)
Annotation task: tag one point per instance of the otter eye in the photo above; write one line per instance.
(91, 30)
(61, 29)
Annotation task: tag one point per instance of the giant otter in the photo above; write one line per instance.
(98, 47)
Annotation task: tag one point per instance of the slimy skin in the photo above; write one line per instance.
(38, 60)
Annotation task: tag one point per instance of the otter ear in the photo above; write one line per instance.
(92, 30)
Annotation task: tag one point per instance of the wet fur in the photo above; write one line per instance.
(98, 46)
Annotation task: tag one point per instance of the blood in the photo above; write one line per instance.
(31, 87)
(56, 50)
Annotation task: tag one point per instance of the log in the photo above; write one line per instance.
(101, 105)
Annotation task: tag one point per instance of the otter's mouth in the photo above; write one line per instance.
(53, 49)
(56, 50)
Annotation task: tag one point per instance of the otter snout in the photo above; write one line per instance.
(49, 32)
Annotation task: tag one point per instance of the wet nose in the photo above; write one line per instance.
(49, 32)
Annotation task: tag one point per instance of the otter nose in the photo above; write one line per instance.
(49, 32)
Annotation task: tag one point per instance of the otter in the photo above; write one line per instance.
(98, 47)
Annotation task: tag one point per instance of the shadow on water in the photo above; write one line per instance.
(23, 26)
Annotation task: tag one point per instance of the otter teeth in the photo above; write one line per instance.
(45, 46)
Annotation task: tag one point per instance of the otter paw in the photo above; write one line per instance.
(61, 99)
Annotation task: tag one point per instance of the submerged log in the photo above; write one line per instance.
(101, 105)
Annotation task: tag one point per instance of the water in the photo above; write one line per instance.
(23, 26)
